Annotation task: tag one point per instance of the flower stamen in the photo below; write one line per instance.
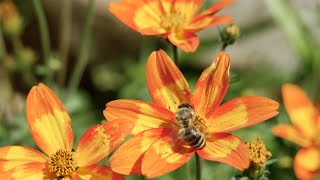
(173, 22)
(62, 163)
(258, 153)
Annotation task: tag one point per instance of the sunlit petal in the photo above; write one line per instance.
(300, 109)
(226, 148)
(165, 155)
(49, 123)
(207, 21)
(212, 85)
(29, 171)
(96, 172)
(168, 87)
(142, 114)
(292, 134)
(242, 112)
(142, 16)
(187, 8)
(307, 163)
(13, 156)
(214, 9)
(185, 40)
(98, 141)
(128, 157)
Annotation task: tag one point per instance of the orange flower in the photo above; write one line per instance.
(157, 146)
(176, 20)
(50, 126)
(305, 131)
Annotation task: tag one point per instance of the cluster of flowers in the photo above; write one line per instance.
(156, 147)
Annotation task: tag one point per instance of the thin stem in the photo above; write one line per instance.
(224, 46)
(187, 170)
(3, 50)
(84, 49)
(175, 54)
(44, 32)
(64, 39)
(198, 167)
(316, 76)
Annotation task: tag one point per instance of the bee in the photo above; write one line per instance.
(185, 119)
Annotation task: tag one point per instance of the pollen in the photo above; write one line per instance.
(200, 124)
(173, 22)
(62, 163)
(258, 153)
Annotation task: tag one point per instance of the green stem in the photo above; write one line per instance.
(316, 76)
(198, 167)
(175, 54)
(84, 49)
(224, 46)
(3, 50)
(44, 33)
(187, 170)
(64, 39)
(142, 177)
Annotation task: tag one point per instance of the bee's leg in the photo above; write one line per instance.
(181, 133)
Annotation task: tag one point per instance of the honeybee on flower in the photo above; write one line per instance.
(180, 123)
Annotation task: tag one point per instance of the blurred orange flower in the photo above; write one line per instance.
(50, 126)
(305, 131)
(176, 20)
(156, 147)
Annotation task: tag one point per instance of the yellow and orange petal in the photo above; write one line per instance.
(142, 114)
(167, 86)
(98, 172)
(152, 153)
(14, 156)
(187, 41)
(292, 134)
(207, 21)
(307, 163)
(241, 112)
(32, 170)
(165, 155)
(214, 9)
(141, 16)
(300, 109)
(48, 121)
(226, 148)
(100, 140)
(212, 85)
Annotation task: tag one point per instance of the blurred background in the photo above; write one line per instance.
(88, 57)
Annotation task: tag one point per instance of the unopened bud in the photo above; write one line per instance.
(230, 34)
(54, 64)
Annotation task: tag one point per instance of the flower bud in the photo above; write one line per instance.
(230, 34)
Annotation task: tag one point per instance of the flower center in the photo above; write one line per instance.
(62, 163)
(173, 22)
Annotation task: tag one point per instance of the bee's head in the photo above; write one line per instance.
(184, 114)
(185, 105)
